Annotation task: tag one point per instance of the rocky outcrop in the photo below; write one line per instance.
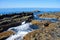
(42, 35)
(41, 24)
(6, 34)
(48, 32)
(36, 11)
(12, 20)
(49, 16)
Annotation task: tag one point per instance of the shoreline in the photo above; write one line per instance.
(13, 20)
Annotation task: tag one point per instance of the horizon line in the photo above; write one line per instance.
(26, 7)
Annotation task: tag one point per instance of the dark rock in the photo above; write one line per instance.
(46, 24)
(36, 11)
(35, 39)
(58, 35)
(14, 20)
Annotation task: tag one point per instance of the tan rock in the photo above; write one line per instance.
(49, 32)
(6, 34)
(36, 22)
(41, 23)
(38, 35)
(48, 16)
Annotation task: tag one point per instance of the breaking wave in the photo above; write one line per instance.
(20, 31)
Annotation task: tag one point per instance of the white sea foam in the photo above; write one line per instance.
(23, 22)
(20, 31)
(17, 36)
(35, 15)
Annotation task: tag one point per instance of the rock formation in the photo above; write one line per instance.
(13, 20)
(6, 34)
(47, 30)
(46, 15)
(51, 32)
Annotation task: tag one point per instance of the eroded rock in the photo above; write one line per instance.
(6, 34)
(48, 31)
(12, 20)
(49, 16)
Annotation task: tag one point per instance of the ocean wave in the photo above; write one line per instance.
(20, 31)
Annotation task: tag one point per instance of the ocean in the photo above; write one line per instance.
(17, 10)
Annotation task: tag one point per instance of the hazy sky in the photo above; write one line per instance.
(29, 3)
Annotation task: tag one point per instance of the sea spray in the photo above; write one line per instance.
(24, 22)
(18, 36)
(20, 31)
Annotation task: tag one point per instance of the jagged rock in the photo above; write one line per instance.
(51, 32)
(46, 24)
(13, 20)
(41, 23)
(38, 35)
(41, 35)
(6, 34)
(46, 15)
(48, 31)
(36, 11)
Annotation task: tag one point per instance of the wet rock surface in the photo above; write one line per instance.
(6, 34)
(50, 16)
(50, 32)
(47, 31)
(13, 20)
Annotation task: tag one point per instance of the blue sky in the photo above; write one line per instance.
(29, 3)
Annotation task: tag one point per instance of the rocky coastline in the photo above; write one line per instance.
(47, 30)
(12, 20)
